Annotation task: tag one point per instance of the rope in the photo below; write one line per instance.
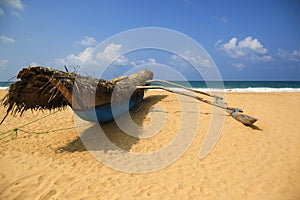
(43, 132)
(5, 83)
(236, 110)
(14, 132)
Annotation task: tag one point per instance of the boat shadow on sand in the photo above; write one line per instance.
(254, 127)
(91, 140)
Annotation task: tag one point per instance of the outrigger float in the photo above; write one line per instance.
(92, 99)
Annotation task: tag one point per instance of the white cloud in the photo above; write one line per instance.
(248, 47)
(1, 12)
(290, 56)
(13, 6)
(188, 57)
(77, 59)
(3, 62)
(218, 43)
(221, 19)
(262, 58)
(33, 64)
(6, 39)
(151, 60)
(87, 41)
(92, 59)
(136, 63)
(239, 66)
(111, 52)
(296, 53)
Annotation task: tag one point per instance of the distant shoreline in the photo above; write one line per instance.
(228, 86)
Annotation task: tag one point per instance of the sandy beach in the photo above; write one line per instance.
(262, 162)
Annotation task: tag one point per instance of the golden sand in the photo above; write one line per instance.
(261, 162)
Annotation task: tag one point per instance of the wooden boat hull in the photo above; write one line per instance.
(104, 114)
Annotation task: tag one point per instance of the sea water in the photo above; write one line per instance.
(241, 86)
(5, 85)
(229, 86)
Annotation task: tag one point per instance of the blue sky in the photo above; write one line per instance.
(248, 40)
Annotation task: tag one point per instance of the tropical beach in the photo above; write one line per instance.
(184, 99)
(260, 162)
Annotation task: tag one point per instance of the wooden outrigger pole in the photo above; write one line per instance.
(236, 113)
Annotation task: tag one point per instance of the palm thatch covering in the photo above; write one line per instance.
(45, 88)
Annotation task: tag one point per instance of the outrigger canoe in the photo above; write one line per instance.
(92, 99)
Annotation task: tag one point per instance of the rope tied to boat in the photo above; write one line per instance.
(236, 110)
(219, 100)
(13, 133)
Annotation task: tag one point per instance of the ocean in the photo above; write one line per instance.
(231, 86)
(244, 86)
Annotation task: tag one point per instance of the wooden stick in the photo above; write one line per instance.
(234, 112)
(77, 104)
(186, 88)
(183, 93)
